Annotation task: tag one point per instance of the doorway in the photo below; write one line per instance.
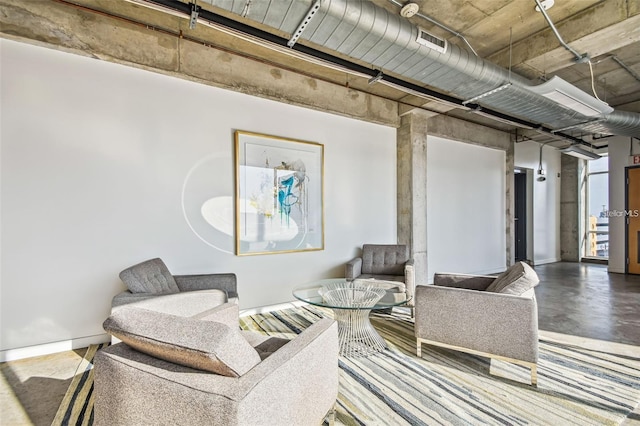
(632, 213)
(520, 215)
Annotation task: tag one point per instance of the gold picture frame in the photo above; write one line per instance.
(279, 194)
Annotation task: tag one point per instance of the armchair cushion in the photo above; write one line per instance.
(516, 280)
(265, 345)
(151, 276)
(203, 345)
(384, 259)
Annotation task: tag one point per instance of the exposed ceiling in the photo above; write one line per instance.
(505, 34)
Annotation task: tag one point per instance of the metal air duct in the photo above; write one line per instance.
(368, 33)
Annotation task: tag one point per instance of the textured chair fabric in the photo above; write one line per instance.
(204, 345)
(457, 312)
(515, 280)
(386, 263)
(152, 279)
(296, 384)
(151, 276)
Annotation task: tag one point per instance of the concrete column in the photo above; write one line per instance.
(509, 189)
(412, 188)
(570, 209)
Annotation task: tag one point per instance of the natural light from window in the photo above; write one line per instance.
(598, 208)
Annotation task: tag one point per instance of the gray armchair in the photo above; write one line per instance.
(389, 263)
(152, 278)
(496, 317)
(205, 371)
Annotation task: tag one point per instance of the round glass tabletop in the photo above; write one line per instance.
(338, 293)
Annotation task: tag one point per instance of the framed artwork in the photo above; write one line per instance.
(279, 194)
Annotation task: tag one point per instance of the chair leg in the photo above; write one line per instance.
(534, 375)
(419, 349)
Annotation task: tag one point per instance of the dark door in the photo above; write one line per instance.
(520, 190)
(633, 220)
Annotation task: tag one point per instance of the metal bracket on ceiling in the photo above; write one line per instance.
(195, 11)
(305, 21)
(376, 78)
(490, 92)
(520, 138)
(573, 126)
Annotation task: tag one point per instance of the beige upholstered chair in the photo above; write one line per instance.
(203, 370)
(152, 278)
(389, 263)
(496, 317)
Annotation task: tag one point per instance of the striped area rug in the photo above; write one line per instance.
(445, 387)
(576, 386)
(77, 405)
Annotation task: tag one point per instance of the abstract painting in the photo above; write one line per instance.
(279, 194)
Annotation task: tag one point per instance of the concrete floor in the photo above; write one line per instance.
(582, 299)
(574, 299)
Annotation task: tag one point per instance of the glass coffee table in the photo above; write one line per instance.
(351, 303)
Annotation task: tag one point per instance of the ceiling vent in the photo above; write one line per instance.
(571, 97)
(431, 41)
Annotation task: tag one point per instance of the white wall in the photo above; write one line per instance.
(546, 199)
(104, 166)
(618, 161)
(465, 208)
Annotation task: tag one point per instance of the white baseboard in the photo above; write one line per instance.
(52, 348)
(83, 342)
(545, 261)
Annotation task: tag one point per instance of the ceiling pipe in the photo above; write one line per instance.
(444, 27)
(578, 57)
(626, 67)
(271, 40)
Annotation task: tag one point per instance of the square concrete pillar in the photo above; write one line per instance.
(412, 188)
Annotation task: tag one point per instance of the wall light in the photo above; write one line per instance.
(577, 151)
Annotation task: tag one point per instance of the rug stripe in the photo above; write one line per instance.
(77, 405)
(596, 381)
(576, 386)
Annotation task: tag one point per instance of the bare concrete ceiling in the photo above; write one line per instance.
(509, 33)
(601, 29)
(512, 34)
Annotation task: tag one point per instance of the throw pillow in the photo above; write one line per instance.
(203, 345)
(515, 280)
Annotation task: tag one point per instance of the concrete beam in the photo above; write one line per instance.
(605, 27)
(162, 43)
(465, 131)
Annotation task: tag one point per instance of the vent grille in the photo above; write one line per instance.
(431, 41)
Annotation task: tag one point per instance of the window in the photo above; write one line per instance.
(597, 208)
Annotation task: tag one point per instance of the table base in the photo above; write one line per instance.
(357, 336)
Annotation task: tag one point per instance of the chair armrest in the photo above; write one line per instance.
(470, 282)
(225, 282)
(227, 313)
(353, 269)
(495, 323)
(296, 383)
(280, 385)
